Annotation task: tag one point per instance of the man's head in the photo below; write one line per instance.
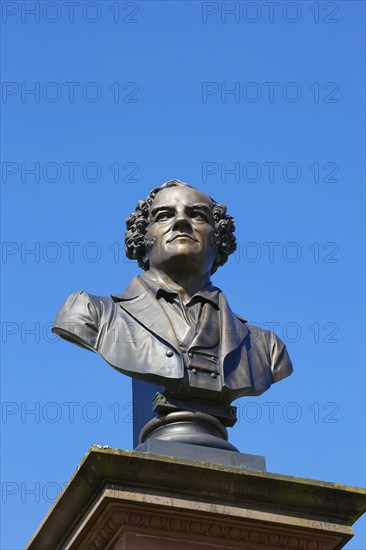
(178, 221)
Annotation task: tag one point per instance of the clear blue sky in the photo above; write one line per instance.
(261, 109)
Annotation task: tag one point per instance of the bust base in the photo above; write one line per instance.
(193, 428)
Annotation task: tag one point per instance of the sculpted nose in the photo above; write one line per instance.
(181, 222)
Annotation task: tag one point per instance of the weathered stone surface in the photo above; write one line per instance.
(205, 454)
(135, 501)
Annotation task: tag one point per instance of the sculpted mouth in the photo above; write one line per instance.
(182, 236)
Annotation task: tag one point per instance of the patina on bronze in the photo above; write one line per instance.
(172, 327)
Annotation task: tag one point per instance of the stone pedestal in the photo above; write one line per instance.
(124, 500)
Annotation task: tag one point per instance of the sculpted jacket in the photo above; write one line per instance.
(133, 334)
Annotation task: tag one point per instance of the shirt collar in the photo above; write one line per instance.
(208, 294)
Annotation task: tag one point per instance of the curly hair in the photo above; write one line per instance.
(137, 244)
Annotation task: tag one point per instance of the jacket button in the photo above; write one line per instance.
(169, 353)
(194, 371)
(190, 354)
(213, 375)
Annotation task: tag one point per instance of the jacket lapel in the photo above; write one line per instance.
(232, 330)
(232, 333)
(142, 305)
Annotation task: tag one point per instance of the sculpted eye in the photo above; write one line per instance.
(161, 216)
(198, 215)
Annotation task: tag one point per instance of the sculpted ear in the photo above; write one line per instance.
(216, 255)
(148, 243)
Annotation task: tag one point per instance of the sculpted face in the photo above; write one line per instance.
(181, 226)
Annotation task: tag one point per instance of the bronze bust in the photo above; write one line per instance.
(171, 326)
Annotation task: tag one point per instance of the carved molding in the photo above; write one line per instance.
(183, 526)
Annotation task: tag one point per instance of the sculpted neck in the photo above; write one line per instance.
(186, 284)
